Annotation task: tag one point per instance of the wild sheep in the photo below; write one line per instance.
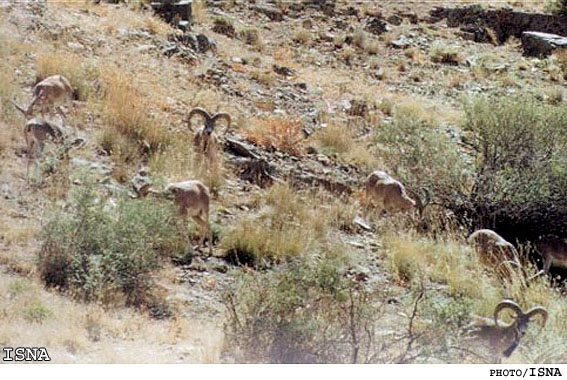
(503, 340)
(193, 199)
(205, 140)
(553, 251)
(36, 133)
(50, 92)
(389, 194)
(494, 250)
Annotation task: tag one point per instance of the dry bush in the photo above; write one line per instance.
(287, 226)
(303, 36)
(338, 140)
(277, 133)
(372, 47)
(441, 53)
(265, 77)
(198, 10)
(82, 74)
(251, 36)
(125, 110)
(359, 38)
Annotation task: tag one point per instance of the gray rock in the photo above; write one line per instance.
(273, 14)
(537, 44)
(401, 42)
(362, 223)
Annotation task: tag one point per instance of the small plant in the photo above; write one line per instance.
(303, 36)
(449, 55)
(223, 25)
(36, 311)
(277, 133)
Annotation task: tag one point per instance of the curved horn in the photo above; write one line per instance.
(19, 108)
(507, 304)
(222, 115)
(538, 310)
(197, 111)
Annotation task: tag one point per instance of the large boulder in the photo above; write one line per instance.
(173, 11)
(537, 44)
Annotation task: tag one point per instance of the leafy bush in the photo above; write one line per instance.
(521, 173)
(307, 312)
(100, 251)
(425, 156)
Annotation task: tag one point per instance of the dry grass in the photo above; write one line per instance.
(125, 110)
(82, 73)
(277, 133)
(288, 226)
(198, 10)
(442, 53)
(303, 36)
(74, 332)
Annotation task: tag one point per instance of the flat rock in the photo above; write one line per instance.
(537, 44)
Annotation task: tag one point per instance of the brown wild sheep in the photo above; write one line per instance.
(553, 251)
(36, 133)
(51, 92)
(205, 140)
(501, 341)
(193, 199)
(389, 194)
(494, 250)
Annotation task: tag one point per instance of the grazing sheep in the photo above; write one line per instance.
(389, 194)
(193, 199)
(503, 340)
(50, 92)
(36, 133)
(494, 250)
(39, 131)
(205, 140)
(553, 251)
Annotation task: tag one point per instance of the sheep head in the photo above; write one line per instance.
(210, 121)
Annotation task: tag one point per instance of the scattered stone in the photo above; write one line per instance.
(361, 223)
(307, 23)
(376, 26)
(536, 44)
(171, 11)
(358, 108)
(224, 26)
(401, 42)
(323, 159)
(394, 20)
(273, 14)
(285, 71)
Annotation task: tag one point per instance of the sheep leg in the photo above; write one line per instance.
(206, 232)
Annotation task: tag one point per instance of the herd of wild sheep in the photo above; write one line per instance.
(381, 191)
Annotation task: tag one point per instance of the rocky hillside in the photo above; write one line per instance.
(320, 94)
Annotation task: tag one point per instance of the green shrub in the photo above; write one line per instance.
(306, 312)
(521, 172)
(426, 157)
(100, 251)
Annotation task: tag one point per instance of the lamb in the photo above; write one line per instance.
(503, 340)
(553, 251)
(52, 91)
(193, 199)
(494, 250)
(389, 194)
(205, 140)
